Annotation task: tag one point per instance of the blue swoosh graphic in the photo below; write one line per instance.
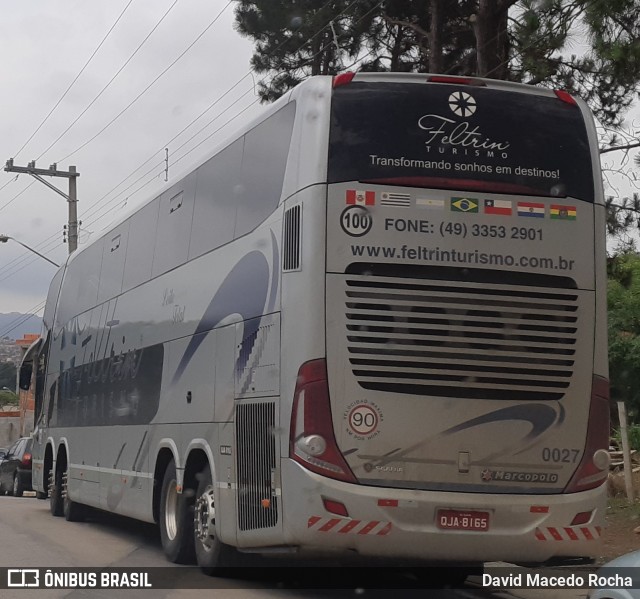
(244, 292)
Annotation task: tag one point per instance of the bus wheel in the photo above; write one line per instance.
(73, 512)
(211, 552)
(176, 525)
(55, 493)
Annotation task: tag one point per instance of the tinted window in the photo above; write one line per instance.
(214, 212)
(80, 284)
(174, 226)
(264, 161)
(447, 136)
(140, 245)
(52, 298)
(115, 248)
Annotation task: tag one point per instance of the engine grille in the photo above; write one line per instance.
(459, 333)
(256, 461)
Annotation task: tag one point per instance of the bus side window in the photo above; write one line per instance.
(214, 212)
(140, 245)
(26, 371)
(264, 162)
(41, 374)
(80, 290)
(115, 249)
(174, 226)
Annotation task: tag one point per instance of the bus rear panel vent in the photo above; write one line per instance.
(292, 234)
(256, 464)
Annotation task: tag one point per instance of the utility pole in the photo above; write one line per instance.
(72, 198)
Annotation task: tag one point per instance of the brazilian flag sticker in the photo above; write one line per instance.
(464, 205)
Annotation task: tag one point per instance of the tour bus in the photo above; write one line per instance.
(371, 324)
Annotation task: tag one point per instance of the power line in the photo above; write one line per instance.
(84, 215)
(146, 89)
(15, 197)
(47, 241)
(110, 81)
(9, 182)
(214, 132)
(20, 320)
(75, 79)
(19, 264)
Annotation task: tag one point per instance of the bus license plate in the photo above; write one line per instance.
(461, 520)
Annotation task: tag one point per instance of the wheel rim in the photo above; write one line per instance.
(15, 484)
(64, 491)
(205, 518)
(171, 510)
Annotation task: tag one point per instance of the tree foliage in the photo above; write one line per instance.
(9, 398)
(531, 41)
(623, 300)
(8, 375)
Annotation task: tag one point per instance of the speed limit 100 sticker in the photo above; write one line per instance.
(356, 221)
(363, 420)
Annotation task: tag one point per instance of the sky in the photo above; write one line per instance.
(45, 45)
(106, 86)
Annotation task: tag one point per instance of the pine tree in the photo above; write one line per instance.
(521, 40)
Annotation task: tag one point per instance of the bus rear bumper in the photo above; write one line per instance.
(403, 523)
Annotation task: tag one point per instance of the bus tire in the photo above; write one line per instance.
(73, 512)
(55, 493)
(211, 553)
(176, 520)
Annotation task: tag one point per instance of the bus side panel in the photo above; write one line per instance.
(226, 487)
(190, 398)
(303, 292)
(600, 357)
(257, 436)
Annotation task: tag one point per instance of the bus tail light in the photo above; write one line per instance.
(455, 80)
(565, 96)
(343, 78)
(312, 441)
(594, 465)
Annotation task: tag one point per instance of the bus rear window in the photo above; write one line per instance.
(451, 136)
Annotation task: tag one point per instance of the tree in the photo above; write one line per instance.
(8, 375)
(521, 40)
(623, 298)
(8, 398)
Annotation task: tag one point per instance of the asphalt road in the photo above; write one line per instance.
(31, 538)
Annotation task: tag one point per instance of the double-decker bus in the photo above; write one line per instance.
(373, 323)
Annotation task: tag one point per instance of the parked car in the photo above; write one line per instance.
(15, 468)
(623, 567)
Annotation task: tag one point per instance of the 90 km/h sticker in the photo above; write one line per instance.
(363, 420)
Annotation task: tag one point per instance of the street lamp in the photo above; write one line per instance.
(5, 238)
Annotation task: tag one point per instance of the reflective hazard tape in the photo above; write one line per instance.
(346, 525)
(574, 533)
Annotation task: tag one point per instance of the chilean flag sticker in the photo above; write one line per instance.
(361, 198)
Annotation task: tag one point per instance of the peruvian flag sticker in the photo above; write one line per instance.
(361, 198)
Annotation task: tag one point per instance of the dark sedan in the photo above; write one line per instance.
(15, 468)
